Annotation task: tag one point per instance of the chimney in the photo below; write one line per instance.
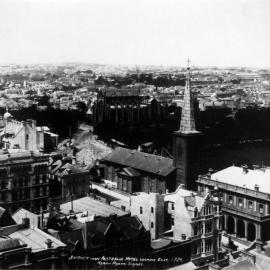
(210, 171)
(26, 221)
(245, 168)
(256, 167)
(34, 123)
(49, 243)
(256, 187)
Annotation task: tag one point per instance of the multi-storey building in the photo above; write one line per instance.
(183, 216)
(245, 200)
(25, 247)
(67, 178)
(149, 208)
(198, 218)
(24, 180)
(26, 135)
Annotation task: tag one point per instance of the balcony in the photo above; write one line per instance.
(196, 237)
(244, 212)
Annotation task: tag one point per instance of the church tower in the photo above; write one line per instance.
(187, 143)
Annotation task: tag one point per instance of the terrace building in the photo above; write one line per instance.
(24, 180)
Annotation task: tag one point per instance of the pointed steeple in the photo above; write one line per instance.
(187, 124)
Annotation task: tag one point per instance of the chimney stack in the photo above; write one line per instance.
(245, 168)
(49, 243)
(26, 221)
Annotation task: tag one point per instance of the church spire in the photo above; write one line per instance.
(187, 124)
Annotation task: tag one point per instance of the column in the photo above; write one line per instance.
(116, 113)
(226, 223)
(246, 229)
(203, 227)
(267, 208)
(234, 199)
(138, 112)
(258, 231)
(235, 226)
(123, 114)
(132, 118)
(203, 245)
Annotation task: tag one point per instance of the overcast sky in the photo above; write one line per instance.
(209, 32)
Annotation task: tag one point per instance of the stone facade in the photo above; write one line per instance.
(149, 208)
(246, 211)
(24, 180)
(196, 218)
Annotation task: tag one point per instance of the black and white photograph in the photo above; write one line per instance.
(135, 134)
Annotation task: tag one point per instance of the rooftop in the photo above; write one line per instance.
(11, 155)
(35, 238)
(141, 161)
(92, 206)
(248, 179)
(180, 192)
(8, 243)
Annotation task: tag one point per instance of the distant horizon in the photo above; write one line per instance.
(212, 33)
(130, 65)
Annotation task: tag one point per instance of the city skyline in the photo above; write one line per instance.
(211, 33)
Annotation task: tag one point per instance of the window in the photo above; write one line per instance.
(231, 199)
(240, 202)
(141, 210)
(261, 208)
(172, 206)
(172, 221)
(208, 246)
(250, 204)
(208, 227)
(152, 224)
(195, 230)
(27, 136)
(152, 209)
(221, 196)
(195, 249)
